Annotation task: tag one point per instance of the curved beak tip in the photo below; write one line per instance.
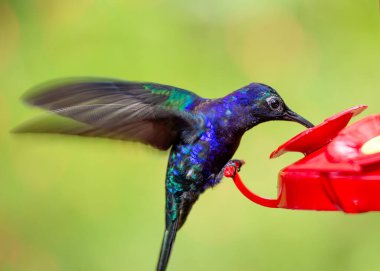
(292, 116)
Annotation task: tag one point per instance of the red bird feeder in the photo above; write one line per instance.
(340, 170)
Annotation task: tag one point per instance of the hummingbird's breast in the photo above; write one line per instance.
(193, 166)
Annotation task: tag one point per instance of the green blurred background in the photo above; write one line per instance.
(87, 204)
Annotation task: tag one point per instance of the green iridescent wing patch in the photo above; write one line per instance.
(176, 98)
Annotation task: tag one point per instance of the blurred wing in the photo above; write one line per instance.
(151, 113)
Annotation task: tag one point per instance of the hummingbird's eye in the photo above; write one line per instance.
(274, 103)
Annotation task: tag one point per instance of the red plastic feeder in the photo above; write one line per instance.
(340, 170)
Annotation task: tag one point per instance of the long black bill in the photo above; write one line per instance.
(292, 116)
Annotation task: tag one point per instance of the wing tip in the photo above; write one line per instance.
(34, 94)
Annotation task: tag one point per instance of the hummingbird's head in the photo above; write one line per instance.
(262, 103)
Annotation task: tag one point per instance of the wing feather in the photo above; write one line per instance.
(150, 113)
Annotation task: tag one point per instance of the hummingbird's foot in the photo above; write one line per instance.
(233, 166)
(237, 163)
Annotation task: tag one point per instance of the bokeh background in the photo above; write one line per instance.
(87, 204)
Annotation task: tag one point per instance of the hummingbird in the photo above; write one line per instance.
(202, 134)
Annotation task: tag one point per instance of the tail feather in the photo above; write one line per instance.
(167, 244)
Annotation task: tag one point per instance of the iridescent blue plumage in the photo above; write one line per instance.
(203, 133)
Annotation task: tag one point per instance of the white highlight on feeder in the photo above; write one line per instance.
(371, 146)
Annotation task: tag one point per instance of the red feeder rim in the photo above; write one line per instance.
(318, 136)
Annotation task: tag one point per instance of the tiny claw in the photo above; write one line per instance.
(238, 163)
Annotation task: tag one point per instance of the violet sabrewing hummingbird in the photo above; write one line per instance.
(202, 134)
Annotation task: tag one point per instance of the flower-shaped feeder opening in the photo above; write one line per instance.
(340, 170)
